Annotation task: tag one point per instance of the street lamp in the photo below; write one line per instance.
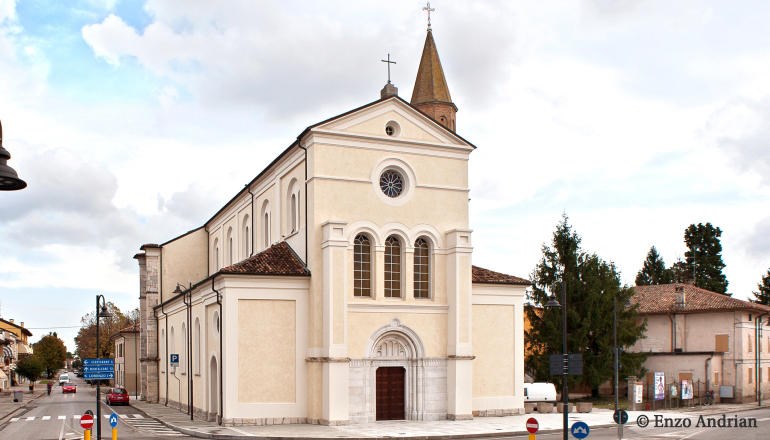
(100, 313)
(9, 180)
(554, 303)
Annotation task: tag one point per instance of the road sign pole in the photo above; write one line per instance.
(114, 433)
(87, 434)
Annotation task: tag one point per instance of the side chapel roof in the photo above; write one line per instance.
(278, 259)
(486, 276)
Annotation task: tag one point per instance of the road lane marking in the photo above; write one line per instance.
(15, 419)
(29, 419)
(76, 417)
(123, 416)
(62, 417)
(138, 416)
(61, 431)
(46, 417)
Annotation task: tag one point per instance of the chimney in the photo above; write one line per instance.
(11, 321)
(22, 324)
(680, 297)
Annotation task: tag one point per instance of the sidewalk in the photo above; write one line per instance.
(9, 408)
(478, 427)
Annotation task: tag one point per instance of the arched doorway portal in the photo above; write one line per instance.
(213, 390)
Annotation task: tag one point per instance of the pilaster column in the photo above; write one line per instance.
(335, 407)
(459, 346)
(149, 291)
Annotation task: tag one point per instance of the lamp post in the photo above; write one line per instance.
(616, 351)
(554, 303)
(9, 180)
(100, 313)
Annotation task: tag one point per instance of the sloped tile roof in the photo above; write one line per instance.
(661, 299)
(278, 259)
(486, 276)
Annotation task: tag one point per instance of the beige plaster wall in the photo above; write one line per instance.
(432, 328)
(493, 345)
(183, 261)
(409, 130)
(267, 351)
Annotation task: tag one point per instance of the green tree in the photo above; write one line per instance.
(30, 367)
(85, 340)
(763, 290)
(592, 285)
(51, 352)
(703, 258)
(654, 270)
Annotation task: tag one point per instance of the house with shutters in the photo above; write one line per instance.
(699, 335)
(338, 286)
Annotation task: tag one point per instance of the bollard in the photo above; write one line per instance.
(87, 434)
(114, 433)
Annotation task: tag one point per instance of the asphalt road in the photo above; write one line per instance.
(693, 431)
(57, 417)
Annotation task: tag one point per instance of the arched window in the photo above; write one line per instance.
(172, 345)
(294, 213)
(183, 351)
(229, 246)
(246, 237)
(216, 254)
(292, 207)
(266, 227)
(197, 347)
(392, 267)
(216, 322)
(362, 266)
(422, 268)
(162, 350)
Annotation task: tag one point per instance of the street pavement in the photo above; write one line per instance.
(57, 417)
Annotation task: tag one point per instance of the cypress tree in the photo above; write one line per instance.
(654, 270)
(704, 256)
(763, 290)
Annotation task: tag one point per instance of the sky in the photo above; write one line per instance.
(135, 121)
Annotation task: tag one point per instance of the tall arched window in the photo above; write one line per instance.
(197, 347)
(392, 267)
(294, 213)
(422, 268)
(216, 254)
(229, 246)
(172, 345)
(246, 237)
(266, 226)
(362, 266)
(292, 207)
(163, 358)
(183, 351)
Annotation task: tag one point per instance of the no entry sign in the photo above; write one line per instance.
(86, 421)
(532, 425)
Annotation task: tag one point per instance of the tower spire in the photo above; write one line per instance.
(431, 94)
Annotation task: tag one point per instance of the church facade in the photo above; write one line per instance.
(338, 286)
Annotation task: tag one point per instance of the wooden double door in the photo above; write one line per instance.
(391, 393)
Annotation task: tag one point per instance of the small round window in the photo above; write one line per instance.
(392, 128)
(391, 183)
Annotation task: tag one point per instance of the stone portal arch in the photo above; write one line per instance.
(395, 346)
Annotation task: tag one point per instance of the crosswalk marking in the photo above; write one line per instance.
(123, 416)
(46, 417)
(62, 417)
(138, 416)
(76, 417)
(15, 419)
(29, 419)
(137, 421)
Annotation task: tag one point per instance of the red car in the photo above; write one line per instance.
(69, 388)
(116, 395)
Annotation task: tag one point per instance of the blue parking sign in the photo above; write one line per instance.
(174, 359)
(580, 430)
(113, 420)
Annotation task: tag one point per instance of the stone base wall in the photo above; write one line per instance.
(498, 412)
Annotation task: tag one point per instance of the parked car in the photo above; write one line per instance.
(69, 387)
(116, 395)
(64, 378)
(79, 372)
(539, 392)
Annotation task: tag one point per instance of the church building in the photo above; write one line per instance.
(338, 286)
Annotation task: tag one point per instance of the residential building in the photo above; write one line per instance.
(15, 344)
(699, 335)
(338, 286)
(126, 343)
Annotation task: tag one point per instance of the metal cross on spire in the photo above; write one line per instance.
(428, 9)
(388, 63)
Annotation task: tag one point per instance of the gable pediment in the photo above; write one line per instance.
(407, 124)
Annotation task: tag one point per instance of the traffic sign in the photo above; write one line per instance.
(174, 360)
(623, 416)
(105, 375)
(532, 425)
(93, 362)
(113, 420)
(580, 430)
(86, 421)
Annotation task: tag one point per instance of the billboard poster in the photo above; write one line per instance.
(686, 390)
(638, 393)
(660, 385)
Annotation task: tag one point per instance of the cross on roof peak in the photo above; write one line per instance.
(388, 63)
(428, 9)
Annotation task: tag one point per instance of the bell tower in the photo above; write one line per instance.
(431, 94)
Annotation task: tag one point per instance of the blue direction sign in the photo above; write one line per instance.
(93, 362)
(113, 420)
(620, 416)
(110, 375)
(580, 430)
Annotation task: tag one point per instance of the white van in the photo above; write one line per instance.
(539, 392)
(64, 378)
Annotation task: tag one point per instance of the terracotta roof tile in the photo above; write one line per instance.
(661, 299)
(278, 259)
(486, 276)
